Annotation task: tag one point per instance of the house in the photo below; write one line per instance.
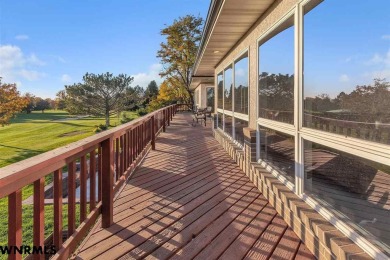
(277, 67)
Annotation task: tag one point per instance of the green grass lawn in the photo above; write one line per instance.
(31, 134)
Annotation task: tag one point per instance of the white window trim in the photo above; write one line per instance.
(277, 173)
(278, 126)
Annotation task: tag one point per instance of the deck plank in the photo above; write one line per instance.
(189, 199)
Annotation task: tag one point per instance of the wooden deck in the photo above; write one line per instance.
(190, 200)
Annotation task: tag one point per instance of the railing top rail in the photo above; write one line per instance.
(20, 174)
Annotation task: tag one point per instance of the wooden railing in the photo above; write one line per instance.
(107, 158)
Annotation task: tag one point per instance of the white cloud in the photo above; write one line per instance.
(240, 72)
(15, 66)
(33, 59)
(380, 66)
(59, 58)
(386, 37)
(66, 78)
(344, 78)
(21, 37)
(31, 75)
(143, 79)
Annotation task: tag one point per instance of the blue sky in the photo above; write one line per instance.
(45, 45)
(346, 43)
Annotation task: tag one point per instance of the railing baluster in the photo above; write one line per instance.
(125, 151)
(117, 151)
(92, 180)
(39, 217)
(122, 155)
(71, 198)
(15, 222)
(57, 232)
(107, 182)
(152, 133)
(99, 191)
(83, 188)
(164, 120)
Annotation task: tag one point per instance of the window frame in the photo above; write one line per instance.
(376, 152)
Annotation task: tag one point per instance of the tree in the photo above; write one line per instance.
(10, 102)
(59, 102)
(41, 104)
(133, 97)
(100, 94)
(370, 102)
(152, 90)
(31, 102)
(178, 53)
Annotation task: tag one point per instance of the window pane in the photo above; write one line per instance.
(238, 129)
(220, 91)
(357, 187)
(241, 86)
(277, 149)
(220, 121)
(228, 98)
(196, 97)
(210, 98)
(347, 69)
(276, 75)
(228, 125)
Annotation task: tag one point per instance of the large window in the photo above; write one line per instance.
(239, 130)
(228, 121)
(210, 98)
(342, 90)
(241, 85)
(357, 187)
(220, 120)
(220, 90)
(228, 97)
(347, 69)
(277, 150)
(276, 74)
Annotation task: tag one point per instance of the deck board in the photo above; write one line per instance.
(188, 200)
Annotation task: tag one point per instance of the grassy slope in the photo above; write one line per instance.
(32, 134)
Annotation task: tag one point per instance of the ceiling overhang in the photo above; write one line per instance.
(227, 22)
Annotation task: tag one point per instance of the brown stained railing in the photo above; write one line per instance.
(111, 155)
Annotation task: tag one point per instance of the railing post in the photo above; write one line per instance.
(57, 232)
(39, 218)
(153, 134)
(168, 116)
(71, 198)
(107, 182)
(15, 222)
(164, 119)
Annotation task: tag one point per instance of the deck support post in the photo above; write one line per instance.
(249, 149)
(168, 116)
(107, 182)
(164, 119)
(152, 133)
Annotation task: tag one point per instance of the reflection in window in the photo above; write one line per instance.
(210, 98)
(220, 121)
(276, 75)
(228, 98)
(196, 97)
(346, 79)
(220, 90)
(228, 125)
(241, 85)
(357, 187)
(277, 149)
(238, 129)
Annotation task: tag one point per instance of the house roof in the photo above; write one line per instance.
(226, 23)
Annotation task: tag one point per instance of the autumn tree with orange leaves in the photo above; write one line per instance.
(10, 102)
